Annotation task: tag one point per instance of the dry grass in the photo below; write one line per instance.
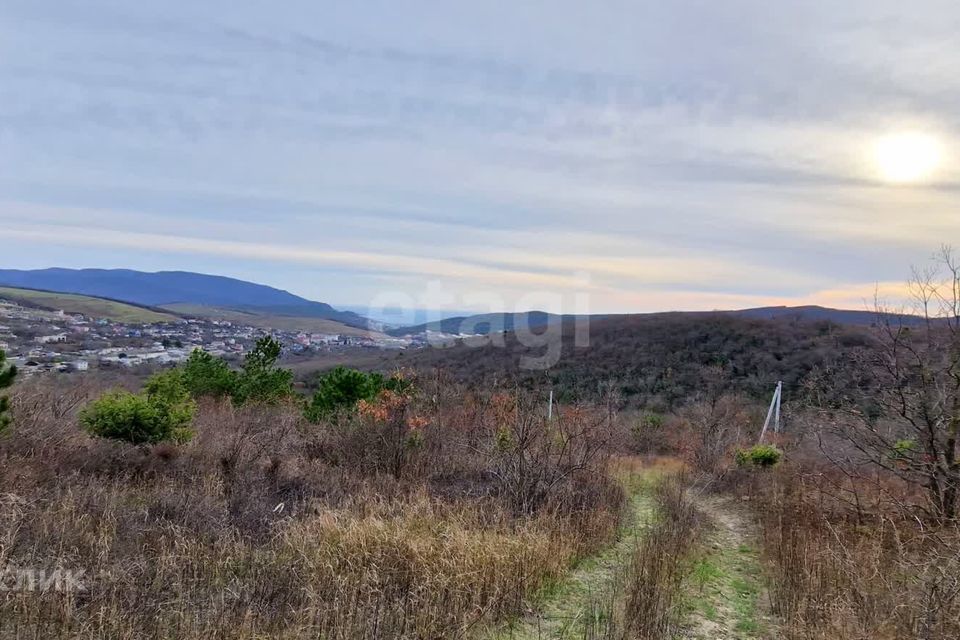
(838, 569)
(645, 599)
(660, 564)
(265, 526)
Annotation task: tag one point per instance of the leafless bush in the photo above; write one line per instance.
(535, 457)
(836, 571)
(712, 429)
(904, 413)
(267, 526)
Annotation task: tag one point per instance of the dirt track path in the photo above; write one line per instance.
(725, 591)
(569, 609)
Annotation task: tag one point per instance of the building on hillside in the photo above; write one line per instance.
(75, 365)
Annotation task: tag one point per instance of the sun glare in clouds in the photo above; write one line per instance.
(906, 158)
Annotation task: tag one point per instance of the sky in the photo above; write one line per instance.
(604, 156)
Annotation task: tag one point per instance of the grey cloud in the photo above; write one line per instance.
(448, 125)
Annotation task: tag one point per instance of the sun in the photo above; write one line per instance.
(908, 157)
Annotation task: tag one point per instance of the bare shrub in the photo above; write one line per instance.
(535, 457)
(263, 525)
(839, 572)
(712, 428)
(905, 414)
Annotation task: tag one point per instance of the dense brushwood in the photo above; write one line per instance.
(416, 516)
(661, 361)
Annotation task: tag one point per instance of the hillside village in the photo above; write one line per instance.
(42, 340)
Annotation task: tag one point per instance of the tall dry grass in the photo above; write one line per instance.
(661, 562)
(838, 568)
(644, 600)
(265, 526)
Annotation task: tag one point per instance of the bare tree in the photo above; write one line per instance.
(914, 427)
(533, 457)
(715, 423)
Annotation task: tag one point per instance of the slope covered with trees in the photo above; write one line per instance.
(660, 360)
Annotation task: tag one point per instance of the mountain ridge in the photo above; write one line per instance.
(172, 290)
(166, 288)
(487, 323)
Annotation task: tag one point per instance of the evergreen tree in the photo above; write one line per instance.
(7, 373)
(207, 375)
(342, 388)
(260, 380)
(162, 413)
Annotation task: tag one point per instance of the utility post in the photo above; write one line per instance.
(773, 412)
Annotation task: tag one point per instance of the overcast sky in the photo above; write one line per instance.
(651, 154)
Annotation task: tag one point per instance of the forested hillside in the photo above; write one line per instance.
(660, 360)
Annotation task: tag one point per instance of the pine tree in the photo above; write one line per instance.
(260, 380)
(7, 374)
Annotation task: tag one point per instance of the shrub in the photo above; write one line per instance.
(855, 564)
(395, 436)
(535, 461)
(342, 388)
(206, 375)
(314, 549)
(761, 455)
(163, 412)
(7, 374)
(903, 448)
(649, 435)
(260, 380)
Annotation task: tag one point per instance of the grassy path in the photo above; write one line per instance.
(572, 605)
(724, 590)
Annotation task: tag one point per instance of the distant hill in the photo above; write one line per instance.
(168, 288)
(662, 360)
(87, 305)
(395, 317)
(813, 313)
(487, 323)
(275, 322)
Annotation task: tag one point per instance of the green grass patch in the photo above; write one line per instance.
(724, 588)
(704, 572)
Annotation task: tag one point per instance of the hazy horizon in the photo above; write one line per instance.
(414, 315)
(645, 156)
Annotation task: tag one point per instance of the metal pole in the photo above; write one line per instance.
(766, 423)
(776, 424)
(550, 407)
